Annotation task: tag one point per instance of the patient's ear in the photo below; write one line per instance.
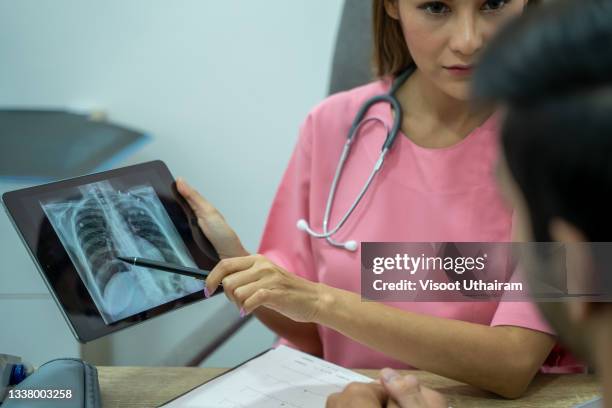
(579, 263)
(392, 8)
(563, 231)
(579, 311)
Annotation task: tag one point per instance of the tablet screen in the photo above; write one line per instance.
(76, 228)
(99, 221)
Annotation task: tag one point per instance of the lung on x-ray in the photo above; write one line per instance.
(99, 222)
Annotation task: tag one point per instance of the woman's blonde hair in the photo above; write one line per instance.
(391, 56)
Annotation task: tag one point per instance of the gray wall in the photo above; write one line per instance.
(221, 85)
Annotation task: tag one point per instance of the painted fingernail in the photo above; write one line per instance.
(206, 293)
(242, 312)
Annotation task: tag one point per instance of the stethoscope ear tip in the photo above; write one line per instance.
(350, 246)
(302, 225)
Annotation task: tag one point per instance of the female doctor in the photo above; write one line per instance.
(436, 184)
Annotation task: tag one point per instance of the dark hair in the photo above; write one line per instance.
(391, 55)
(552, 68)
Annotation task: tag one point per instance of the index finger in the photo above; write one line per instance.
(358, 395)
(379, 391)
(406, 391)
(372, 391)
(226, 267)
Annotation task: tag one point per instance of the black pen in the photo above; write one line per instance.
(166, 267)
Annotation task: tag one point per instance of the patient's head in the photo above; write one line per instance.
(552, 70)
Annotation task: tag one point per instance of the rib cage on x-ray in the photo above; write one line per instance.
(96, 243)
(94, 237)
(105, 223)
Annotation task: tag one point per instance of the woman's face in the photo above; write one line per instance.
(445, 37)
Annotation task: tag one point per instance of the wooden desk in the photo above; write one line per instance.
(147, 387)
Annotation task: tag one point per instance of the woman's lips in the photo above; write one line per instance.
(460, 70)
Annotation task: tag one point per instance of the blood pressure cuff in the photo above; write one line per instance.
(60, 383)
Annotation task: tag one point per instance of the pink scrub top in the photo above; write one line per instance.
(420, 195)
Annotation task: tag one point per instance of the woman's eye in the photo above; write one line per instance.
(494, 5)
(435, 7)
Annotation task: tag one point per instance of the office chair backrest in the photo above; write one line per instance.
(353, 53)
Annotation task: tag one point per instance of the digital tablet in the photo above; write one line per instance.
(75, 228)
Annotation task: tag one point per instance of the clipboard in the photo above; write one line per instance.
(278, 377)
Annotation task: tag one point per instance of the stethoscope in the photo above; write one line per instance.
(358, 122)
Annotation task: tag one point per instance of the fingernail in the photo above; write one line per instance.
(242, 312)
(389, 375)
(206, 293)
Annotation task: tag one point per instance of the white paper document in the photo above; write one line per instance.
(282, 377)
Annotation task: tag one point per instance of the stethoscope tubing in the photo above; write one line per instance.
(356, 125)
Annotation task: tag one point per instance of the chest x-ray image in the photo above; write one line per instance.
(98, 223)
